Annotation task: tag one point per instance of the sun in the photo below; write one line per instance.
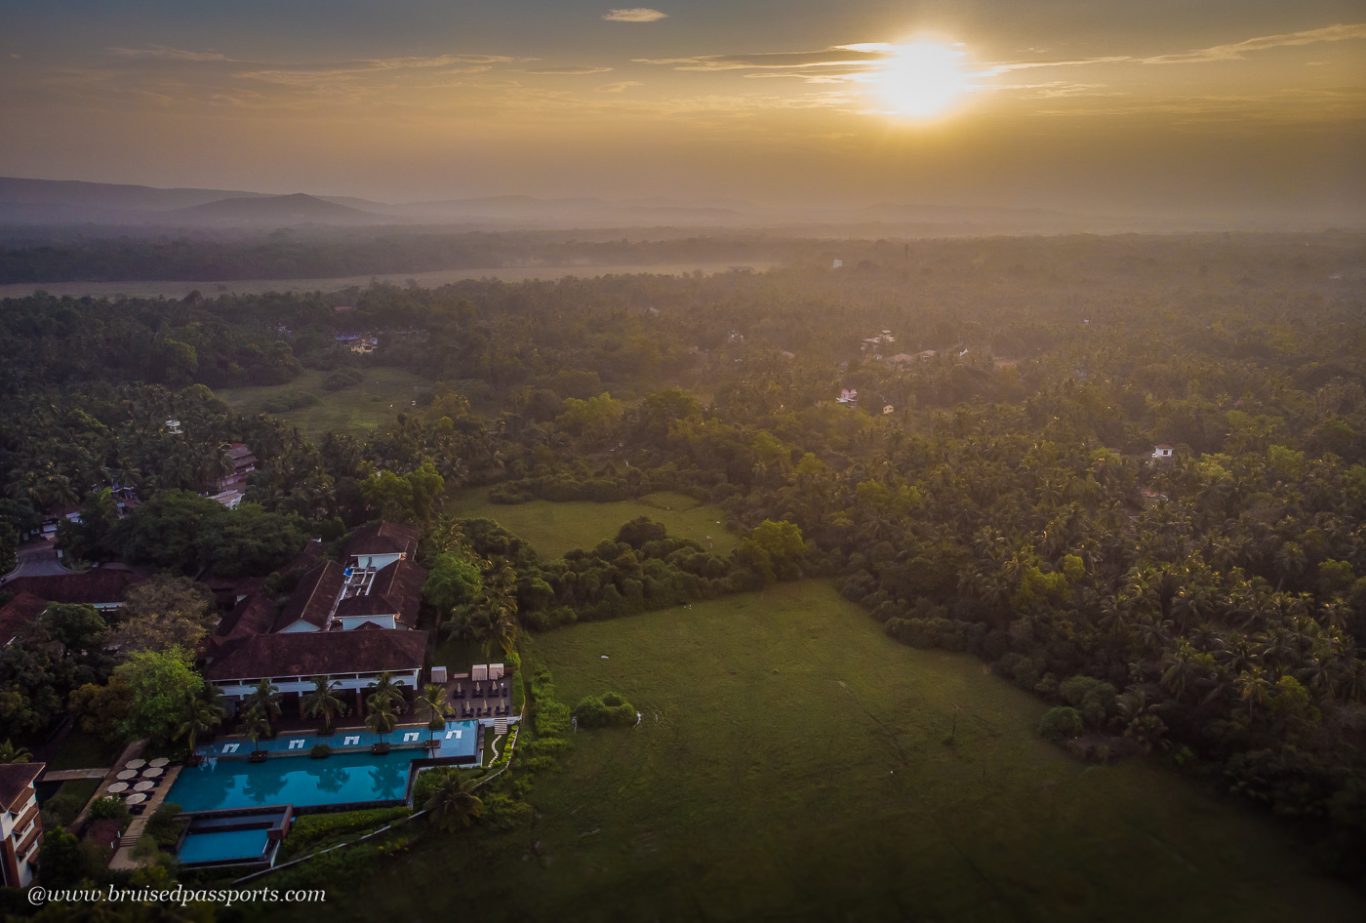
(922, 79)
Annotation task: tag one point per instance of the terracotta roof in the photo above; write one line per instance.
(321, 654)
(312, 599)
(383, 538)
(402, 582)
(18, 612)
(310, 555)
(101, 585)
(15, 779)
(370, 604)
(254, 615)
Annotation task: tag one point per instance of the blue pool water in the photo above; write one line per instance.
(224, 846)
(343, 778)
(457, 739)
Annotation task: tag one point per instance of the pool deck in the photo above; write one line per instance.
(124, 859)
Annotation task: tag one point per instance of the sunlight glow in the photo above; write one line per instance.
(922, 79)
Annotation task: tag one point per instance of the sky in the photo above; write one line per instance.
(1223, 108)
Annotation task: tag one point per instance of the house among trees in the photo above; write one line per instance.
(1162, 452)
(876, 344)
(19, 612)
(21, 827)
(243, 463)
(847, 396)
(232, 486)
(103, 587)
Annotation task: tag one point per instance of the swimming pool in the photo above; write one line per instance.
(456, 739)
(224, 846)
(343, 778)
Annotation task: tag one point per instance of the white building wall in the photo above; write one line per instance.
(16, 836)
(349, 622)
(375, 561)
(292, 685)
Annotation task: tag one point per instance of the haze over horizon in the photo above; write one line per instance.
(1236, 111)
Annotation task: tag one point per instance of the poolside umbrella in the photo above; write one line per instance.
(152, 773)
(159, 762)
(137, 798)
(126, 774)
(117, 788)
(144, 786)
(134, 764)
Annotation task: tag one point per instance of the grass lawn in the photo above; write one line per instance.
(459, 655)
(791, 764)
(70, 797)
(376, 400)
(553, 528)
(80, 750)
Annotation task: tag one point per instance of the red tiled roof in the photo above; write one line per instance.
(101, 585)
(254, 615)
(370, 604)
(312, 599)
(18, 612)
(321, 654)
(383, 538)
(402, 582)
(15, 779)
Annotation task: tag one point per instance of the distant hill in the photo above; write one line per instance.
(75, 194)
(29, 203)
(298, 208)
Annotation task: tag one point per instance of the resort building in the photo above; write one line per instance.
(381, 544)
(351, 622)
(21, 828)
(293, 662)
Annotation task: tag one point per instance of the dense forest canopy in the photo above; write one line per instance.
(992, 489)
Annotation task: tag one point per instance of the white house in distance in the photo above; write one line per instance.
(21, 827)
(847, 396)
(1162, 452)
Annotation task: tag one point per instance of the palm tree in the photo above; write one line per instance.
(255, 726)
(203, 713)
(387, 690)
(1180, 669)
(433, 699)
(323, 702)
(381, 718)
(11, 752)
(264, 701)
(453, 804)
(1254, 689)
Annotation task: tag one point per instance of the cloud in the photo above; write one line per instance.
(347, 71)
(635, 14)
(620, 86)
(1229, 51)
(162, 53)
(840, 55)
(569, 71)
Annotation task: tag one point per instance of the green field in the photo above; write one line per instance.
(553, 528)
(376, 400)
(792, 764)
